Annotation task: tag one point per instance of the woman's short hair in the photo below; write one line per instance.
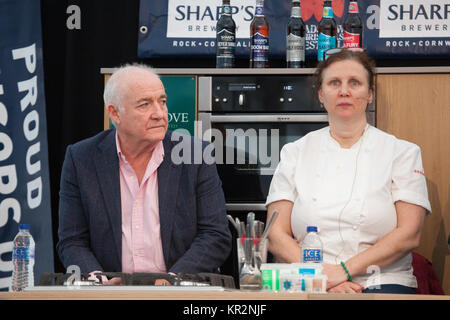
(342, 55)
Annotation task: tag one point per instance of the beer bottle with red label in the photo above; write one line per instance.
(353, 27)
(259, 38)
(327, 31)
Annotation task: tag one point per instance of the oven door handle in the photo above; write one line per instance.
(246, 207)
(323, 117)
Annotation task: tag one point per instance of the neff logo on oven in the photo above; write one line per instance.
(231, 146)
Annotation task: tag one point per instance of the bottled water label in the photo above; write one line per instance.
(22, 259)
(22, 253)
(312, 255)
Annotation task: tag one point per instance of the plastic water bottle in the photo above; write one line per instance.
(312, 247)
(23, 259)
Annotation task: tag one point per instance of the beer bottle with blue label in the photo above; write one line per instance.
(327, 31)
(295, 40)
(353, 27)
(259, 38)
(225, 37)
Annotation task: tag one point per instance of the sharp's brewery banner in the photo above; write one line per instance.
(24, 176)
(392, 29)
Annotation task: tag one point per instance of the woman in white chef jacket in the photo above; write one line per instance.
(364, 189)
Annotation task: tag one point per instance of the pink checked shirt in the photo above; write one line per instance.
(141, 236)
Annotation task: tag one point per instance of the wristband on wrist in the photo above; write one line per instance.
(349, 277)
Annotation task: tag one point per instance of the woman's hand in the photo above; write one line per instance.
(281, 242)
(347, 287)
(395, 244)
(335, 273)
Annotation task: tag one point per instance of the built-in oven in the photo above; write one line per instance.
(249, 119)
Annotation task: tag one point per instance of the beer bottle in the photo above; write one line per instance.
(327, 31)
(295, 40)
(225, 38)
(353, 27)
(259, 38)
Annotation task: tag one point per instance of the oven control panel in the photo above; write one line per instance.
(265, 94)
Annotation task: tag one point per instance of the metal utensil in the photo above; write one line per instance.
(269, 225)
(238, 225)
(234, 224)
(251, 224)
(259, 229)
(240, 245)
(243, 231)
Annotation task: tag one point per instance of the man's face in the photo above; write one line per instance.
(144, 115)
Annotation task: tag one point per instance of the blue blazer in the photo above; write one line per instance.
(194, 228)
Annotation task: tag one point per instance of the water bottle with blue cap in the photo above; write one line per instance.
(312, 247)
(23, 259)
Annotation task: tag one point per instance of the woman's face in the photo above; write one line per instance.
(345, 91)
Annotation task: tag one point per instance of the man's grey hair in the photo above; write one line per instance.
(113, 93)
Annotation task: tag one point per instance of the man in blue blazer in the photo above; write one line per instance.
(190, 205)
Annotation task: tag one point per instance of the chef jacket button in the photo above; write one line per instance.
(355, 228)
(314, 199)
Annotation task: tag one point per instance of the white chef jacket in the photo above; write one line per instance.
(349, 194)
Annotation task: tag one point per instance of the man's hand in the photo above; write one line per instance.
(105, 281)
(116, 281)
(162, 282)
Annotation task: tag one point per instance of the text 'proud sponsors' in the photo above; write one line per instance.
(10, 179)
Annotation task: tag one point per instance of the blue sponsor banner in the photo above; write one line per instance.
(392, 29)
(24, 176)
